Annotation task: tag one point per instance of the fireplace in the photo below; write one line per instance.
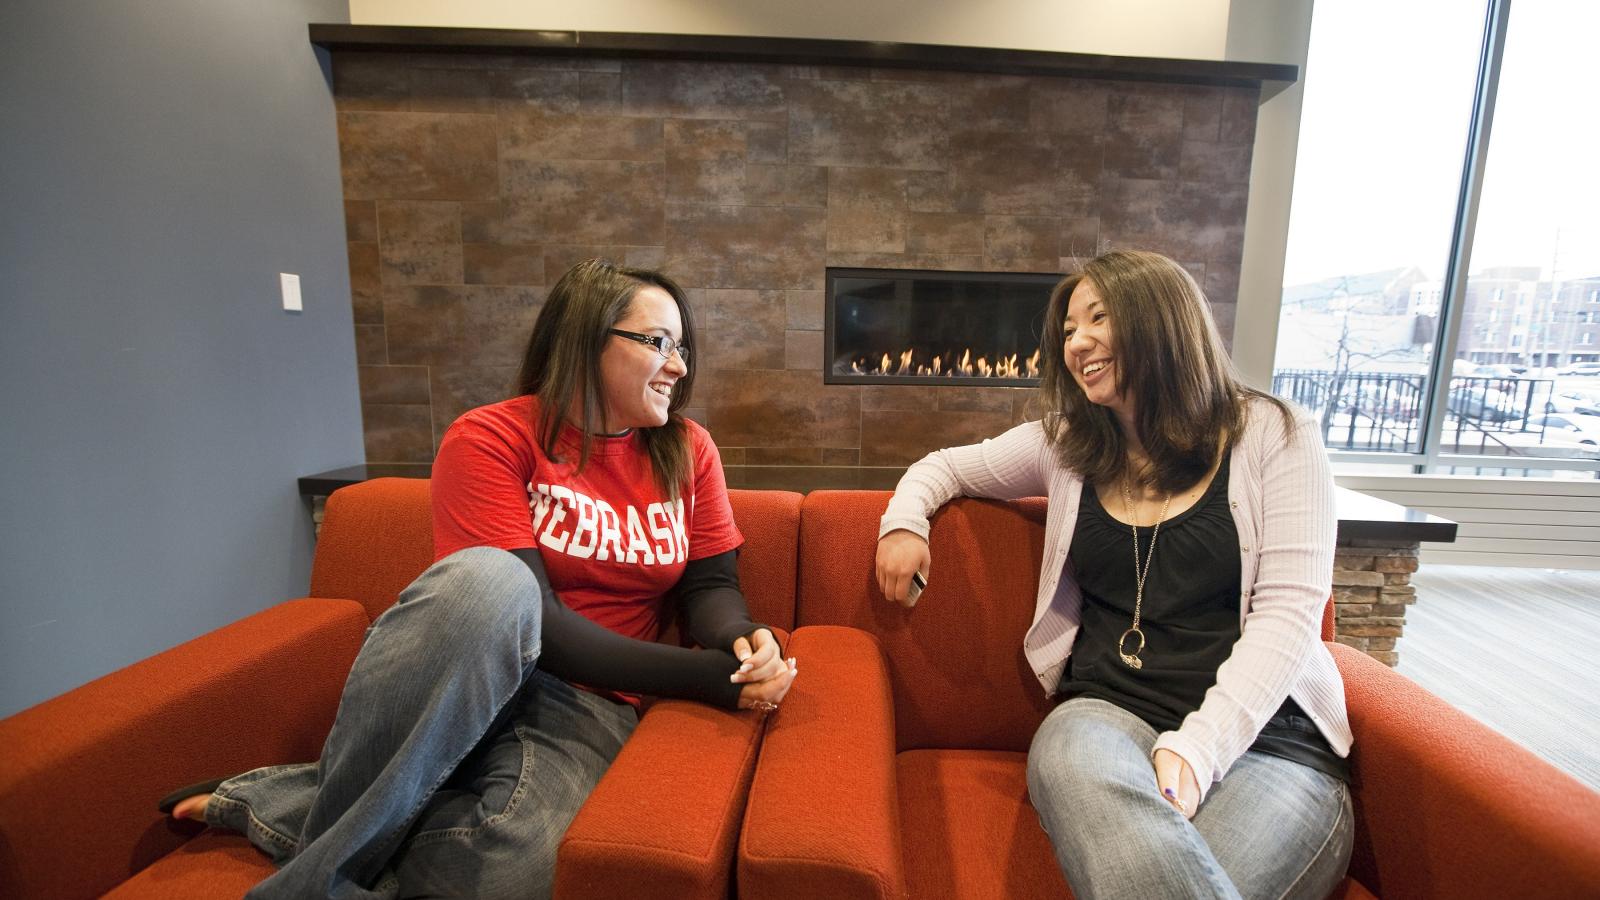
(893, 326)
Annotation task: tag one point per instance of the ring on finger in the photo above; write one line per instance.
(764, 706)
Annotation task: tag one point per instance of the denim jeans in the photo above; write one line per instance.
(453, 767)
(1270, 828)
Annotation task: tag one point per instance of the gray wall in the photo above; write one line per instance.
(160, 164)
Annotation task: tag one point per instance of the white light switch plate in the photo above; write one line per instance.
(291, 291)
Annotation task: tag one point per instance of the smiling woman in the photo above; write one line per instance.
(1204, 726)
(566, 521)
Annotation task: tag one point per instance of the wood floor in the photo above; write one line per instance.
(1517, 649)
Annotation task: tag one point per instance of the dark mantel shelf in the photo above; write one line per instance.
(795, 51)
(324, 483)
(1361, 517)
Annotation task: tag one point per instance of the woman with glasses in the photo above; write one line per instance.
(487, 702)
(1200, 748)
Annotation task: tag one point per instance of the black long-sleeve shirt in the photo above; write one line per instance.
(714, 612)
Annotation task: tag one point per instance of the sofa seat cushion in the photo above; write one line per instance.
(1351, 889)
(968, 830)
(213, 866)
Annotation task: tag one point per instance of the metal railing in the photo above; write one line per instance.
(1382, 412)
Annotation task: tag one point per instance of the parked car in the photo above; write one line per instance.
(1501, 370)
(1577, 427)
(1481, 403)
(1574, 400)
(1551, 444)
(1582, 368)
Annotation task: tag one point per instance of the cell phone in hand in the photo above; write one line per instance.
(918, 582)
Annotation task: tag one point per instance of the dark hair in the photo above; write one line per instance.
(1170, 361)
(562, 364)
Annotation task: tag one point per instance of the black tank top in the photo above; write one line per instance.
(1190, 620)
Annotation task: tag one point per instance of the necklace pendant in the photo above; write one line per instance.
(1131, 659)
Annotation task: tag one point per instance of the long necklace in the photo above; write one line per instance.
(1131, 659)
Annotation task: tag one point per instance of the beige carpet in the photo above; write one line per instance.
(1519, 649)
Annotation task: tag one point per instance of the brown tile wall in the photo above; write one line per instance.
(472, 182)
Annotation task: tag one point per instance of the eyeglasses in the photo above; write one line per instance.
(663, 345)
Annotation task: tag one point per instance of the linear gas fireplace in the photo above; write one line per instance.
(893, 326)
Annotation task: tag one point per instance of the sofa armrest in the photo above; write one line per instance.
(1446, 807)
(83, 771)
(662, 821)
(824, 814)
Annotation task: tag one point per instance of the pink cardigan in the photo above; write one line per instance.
(1281, 491)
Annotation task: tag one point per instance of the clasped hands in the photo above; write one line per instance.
(901, 553)
(765, 674)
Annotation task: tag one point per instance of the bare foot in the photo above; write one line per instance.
(192, 807)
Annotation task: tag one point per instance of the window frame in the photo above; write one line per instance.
(1452, 308)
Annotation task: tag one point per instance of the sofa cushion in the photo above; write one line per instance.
(376, 538)
(955, 661)
(770, 522)
(968, 829)
(213, 866)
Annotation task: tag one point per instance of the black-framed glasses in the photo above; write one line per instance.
(664, 345)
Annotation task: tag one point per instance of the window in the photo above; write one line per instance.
(1498, 134)
(1536, 206)
(1342, 349)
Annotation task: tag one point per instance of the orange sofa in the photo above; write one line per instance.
(82, 772)
(894, 768)
(897, 765)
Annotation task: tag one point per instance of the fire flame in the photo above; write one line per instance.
(906, 363)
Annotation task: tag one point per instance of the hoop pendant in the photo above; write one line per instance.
(1131, 660)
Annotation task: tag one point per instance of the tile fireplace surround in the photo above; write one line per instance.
(479, 165)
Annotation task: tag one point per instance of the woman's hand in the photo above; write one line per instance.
(1176, 782)
(758, 657)
(900, 553)
(765, 674)
(769, 693)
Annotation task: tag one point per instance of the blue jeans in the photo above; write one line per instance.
(1270, 828)
(453, 767)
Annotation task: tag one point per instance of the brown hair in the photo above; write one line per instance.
(562, 364)
(1170, 363)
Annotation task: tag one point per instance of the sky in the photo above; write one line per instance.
(1388, 103)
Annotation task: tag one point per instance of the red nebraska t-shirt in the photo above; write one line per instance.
(612, 543)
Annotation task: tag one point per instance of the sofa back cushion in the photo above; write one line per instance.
(955, 661)
(770, 522)
(377, 537)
